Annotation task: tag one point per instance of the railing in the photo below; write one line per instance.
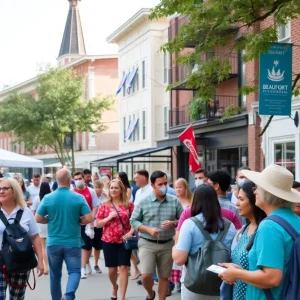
(179, 72)
(214, 109)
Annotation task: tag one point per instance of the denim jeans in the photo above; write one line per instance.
(72, 258)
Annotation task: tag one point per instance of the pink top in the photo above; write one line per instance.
(113, 231)
(226, 213)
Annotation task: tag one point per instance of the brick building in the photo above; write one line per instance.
(234, 142)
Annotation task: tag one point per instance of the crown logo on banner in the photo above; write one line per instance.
(275, 76)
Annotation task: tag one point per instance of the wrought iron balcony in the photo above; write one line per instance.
(214, 109)
(178, 73)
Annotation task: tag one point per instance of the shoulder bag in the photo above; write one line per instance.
(131, 243)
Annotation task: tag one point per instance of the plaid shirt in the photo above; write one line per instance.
(151, 212)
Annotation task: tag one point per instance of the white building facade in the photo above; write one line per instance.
(143, 73)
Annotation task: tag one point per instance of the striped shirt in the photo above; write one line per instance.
(152, 213)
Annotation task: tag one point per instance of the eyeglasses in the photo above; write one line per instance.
(254, 188)
(5, 188)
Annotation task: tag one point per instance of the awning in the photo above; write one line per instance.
(131, 79)
(12, 159)
(134, 156)
(121, 84)
(132, 125)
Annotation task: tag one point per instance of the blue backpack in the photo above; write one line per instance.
(291, 284)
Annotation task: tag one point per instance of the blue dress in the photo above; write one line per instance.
(239, 256)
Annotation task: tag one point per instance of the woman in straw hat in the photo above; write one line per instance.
(270, 253)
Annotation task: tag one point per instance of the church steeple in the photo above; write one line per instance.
(72, 44)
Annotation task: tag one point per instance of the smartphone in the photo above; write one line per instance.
(216, 269)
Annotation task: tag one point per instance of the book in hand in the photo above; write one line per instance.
(216, 269)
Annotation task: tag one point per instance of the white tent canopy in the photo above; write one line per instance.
(11, 159)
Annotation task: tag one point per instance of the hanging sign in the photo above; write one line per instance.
(275, 80)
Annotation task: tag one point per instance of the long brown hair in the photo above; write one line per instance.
(123, 193)
(205, 201)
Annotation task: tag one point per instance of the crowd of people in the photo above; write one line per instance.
(80, 214)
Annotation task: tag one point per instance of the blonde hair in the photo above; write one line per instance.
(95, 176)
(188, 193)
(123, 193)
(17, 191)
(98, 184)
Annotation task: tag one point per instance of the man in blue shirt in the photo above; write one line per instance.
(64, 211)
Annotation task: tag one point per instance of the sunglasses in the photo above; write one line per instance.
(5, 188)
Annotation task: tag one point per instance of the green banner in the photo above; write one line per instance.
(275, 80)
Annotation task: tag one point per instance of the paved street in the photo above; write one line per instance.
(96, 287)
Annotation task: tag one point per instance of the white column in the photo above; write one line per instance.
(297, 153)
(91, 94)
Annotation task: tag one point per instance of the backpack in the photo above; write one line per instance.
(197, 279)
(291, 284)
(17, 254)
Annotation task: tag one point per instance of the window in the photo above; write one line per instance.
(124, 86)
(137, 129)
(165, 65)
(284, 32)
(143, 74)
(165, 121)
(124, 128)
(284, 155)
(136, 81)
(243, 79)
(144, 125)
(133, 134)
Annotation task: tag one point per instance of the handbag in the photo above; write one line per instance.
(132, 243)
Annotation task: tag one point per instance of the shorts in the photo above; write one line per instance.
(153, 255)
(97, 242)
(88, 242)
(115, 255)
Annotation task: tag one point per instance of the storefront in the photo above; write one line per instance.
(281, 142)
(221, 145)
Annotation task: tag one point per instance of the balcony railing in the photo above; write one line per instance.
(178, 73)
(215, 109)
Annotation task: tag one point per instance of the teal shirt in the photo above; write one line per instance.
(272, 249)
(63, 208)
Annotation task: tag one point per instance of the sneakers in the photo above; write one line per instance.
(83, 274)
(97, 269)
(88, 269)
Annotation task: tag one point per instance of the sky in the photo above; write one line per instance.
(32, 30)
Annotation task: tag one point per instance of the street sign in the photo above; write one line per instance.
(275, 80)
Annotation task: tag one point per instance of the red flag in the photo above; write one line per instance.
(188, 138)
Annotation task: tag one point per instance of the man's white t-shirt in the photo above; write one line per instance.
(142, 193)
(34, 192)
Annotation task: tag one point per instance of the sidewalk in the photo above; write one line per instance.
(95, 287)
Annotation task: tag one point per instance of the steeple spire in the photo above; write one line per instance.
(73, 42)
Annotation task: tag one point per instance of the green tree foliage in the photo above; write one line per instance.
(58, 109)
(232, 24)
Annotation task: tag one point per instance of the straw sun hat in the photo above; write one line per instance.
(276, 180)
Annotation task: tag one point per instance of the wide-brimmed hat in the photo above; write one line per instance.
(276, 180)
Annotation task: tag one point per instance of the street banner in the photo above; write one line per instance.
(275, 80)
(188, 138)
(68, 141)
